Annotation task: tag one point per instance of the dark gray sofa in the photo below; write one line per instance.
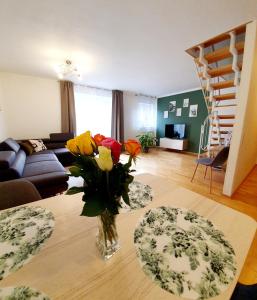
(45, 169)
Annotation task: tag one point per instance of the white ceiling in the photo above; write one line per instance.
(135, 45)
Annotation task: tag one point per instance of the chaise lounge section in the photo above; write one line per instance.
(45, 169)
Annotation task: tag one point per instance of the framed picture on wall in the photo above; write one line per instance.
(193, 110)
(179, 111)
(186, 102)
(165, 114)
(172, 106)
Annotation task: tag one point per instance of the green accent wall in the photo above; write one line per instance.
(193, 124)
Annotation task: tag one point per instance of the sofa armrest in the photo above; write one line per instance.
(17, 192)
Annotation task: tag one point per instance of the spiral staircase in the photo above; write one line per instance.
(219, 63)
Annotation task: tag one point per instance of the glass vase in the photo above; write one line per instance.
(107, 237)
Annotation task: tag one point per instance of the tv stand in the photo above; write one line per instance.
(176, 144)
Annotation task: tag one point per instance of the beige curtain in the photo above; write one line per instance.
(68, 114)
(117, 116)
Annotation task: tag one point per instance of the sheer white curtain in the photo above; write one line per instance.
(146, 113)
(93, 110)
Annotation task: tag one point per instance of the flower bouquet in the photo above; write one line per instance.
(106, 180)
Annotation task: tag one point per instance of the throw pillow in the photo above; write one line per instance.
(37, 145)
(27, 147)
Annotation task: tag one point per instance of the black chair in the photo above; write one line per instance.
(212, 162)
(245, 292)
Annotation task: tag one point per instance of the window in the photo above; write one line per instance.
(93, 110)
(146, 114)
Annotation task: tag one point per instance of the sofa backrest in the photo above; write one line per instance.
(11, 164)
(61, 137)
(9, 145)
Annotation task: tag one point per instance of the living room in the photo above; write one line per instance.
(116, 105)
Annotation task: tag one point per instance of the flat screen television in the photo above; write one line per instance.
(175, 131)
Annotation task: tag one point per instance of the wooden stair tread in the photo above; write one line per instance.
(222, 84)
(221, 70)
(221, 132)
(223, 125)
(225, 117)
(229, 96)
(194, 51)
(228, 105)
(221, 53)
(224, 36)
(216, 139)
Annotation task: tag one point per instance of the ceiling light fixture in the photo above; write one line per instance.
(68, 70)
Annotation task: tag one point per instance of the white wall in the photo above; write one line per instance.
(243, 149)
(31, 106)
(131, 107)
(3, 129)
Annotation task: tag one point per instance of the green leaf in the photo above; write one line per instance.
(74, 190)
(93, 206)
(75, 171)
(125, 197)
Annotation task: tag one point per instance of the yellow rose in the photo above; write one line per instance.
(104, 161)
(72, 146)
(85, 143)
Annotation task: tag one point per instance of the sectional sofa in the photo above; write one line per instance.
(45, 169)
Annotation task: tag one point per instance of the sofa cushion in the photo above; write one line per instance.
(19, 162)
(6, 159)
(61, 137)
(40, 157)
(49, 179)
(9, 145)
(27, 147)
(37, 145)
(43, 152)
(16, 169)
(42, 167)
(64, 156)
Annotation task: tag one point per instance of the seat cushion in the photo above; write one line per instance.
(41, 157)
(64, 156)
(9, 145)
(48, 180)
(42, 167)
(207, 161)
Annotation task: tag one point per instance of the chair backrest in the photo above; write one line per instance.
(221, 157)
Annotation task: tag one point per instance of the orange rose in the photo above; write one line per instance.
(133, 147)
(98, 138)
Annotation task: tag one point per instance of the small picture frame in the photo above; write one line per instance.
(179, 112)
(193, 110)
(186, 102)
(165, 114)
(172, 106)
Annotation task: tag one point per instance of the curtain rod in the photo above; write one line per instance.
(143, 95)
(103, 89)
(93, 87)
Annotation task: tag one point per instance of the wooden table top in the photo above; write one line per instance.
(69, 266)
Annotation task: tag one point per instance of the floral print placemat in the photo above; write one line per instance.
(140, 195)
(23, 230)
(184, 253)
(21, 293)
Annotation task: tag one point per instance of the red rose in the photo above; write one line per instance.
(115, 148)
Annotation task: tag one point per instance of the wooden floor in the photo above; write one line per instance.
(179, 167)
